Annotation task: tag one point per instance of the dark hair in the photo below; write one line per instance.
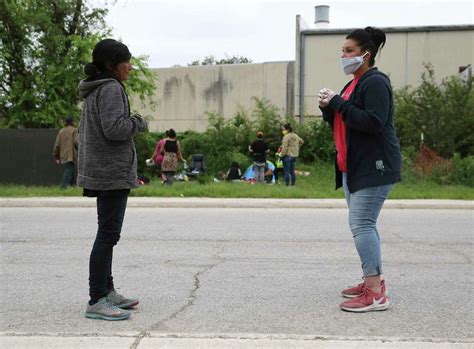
(167, 133)
(69, 121)
(105, 57)
(368, 39)
(234, 164)
(287, 127)
(171, 133)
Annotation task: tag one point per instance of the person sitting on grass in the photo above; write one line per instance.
(234, 173)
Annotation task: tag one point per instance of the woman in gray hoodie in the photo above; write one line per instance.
(107, 167)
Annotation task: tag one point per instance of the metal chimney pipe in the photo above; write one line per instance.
(321, 16)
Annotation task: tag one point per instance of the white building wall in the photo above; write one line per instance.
(185, 94)
(402, 59)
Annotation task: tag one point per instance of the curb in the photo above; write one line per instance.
(243, 340)
(153, 202)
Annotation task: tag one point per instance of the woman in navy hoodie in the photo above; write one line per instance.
(368, 160)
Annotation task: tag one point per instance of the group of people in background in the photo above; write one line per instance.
(366, 167)
(167, 156)
(286, 156)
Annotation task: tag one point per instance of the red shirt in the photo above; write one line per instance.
(159, 157)
(340, 130)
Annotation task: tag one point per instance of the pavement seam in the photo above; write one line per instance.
(238, 336)
(304, 337)
(139, 338)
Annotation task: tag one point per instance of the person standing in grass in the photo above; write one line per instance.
(157, 156)
(259, 149)
(278, 165)
(107, 167)
(171, 151)
(65, 151)
(290, 150)
(368, 160)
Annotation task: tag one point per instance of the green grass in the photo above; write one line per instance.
(319, 184)
(11, 190)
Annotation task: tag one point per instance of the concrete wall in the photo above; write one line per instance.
(402, 58)
(185, 94)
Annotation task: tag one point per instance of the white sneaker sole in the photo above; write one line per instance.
(128, 305)
(379, 307)
(349, 295)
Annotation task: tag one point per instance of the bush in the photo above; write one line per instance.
(319, 143)
(427, 165)
(443, 113)
(144, 144)
(463, 170)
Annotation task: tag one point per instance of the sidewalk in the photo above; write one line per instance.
(150, 340)
(151, 202)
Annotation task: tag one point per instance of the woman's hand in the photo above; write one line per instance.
(325, 96)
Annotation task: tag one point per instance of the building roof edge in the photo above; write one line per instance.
(460, 27)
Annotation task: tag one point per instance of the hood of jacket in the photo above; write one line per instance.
(86, 87)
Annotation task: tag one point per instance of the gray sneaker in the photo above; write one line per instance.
(120, 301)
(105, 310)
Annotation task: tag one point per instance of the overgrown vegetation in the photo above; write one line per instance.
(442, 113)
(435, 124)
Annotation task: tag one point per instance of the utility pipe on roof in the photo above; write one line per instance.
(302, 62)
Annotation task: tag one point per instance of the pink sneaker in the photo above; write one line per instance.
(367, 301)
(356, 291)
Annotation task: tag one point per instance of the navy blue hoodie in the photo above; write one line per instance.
(373, 150)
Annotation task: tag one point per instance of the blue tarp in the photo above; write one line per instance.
(249, 175)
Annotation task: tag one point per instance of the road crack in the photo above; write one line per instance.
(192, 297)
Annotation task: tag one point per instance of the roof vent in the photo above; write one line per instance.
(321, 16)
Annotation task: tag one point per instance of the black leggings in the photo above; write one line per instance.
(111, 205)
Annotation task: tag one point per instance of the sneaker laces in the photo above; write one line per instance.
(364, 295)
(107, 303)
(370, 294)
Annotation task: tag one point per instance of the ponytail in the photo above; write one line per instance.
(369, 39)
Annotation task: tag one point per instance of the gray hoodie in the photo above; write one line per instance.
(107, 158)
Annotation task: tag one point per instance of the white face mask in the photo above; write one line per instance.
(351, 64)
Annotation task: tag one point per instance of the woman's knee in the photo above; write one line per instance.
(367, 228)
(107, 238)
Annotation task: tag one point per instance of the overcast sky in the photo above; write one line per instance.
(177, 32)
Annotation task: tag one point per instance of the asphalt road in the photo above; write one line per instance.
(275, 271)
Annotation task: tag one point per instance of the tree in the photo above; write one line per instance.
(44, 46)
(211, 60)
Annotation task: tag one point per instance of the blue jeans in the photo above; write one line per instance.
(364, 208)
(259, 171)
(68, 174)
(289, 169)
